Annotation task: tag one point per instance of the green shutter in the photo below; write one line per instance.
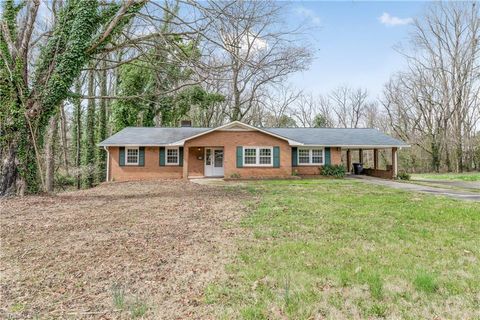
(141, 156)
(180, 156)
(276, 157)
(294, 157)
(239, 157)
(121, 156)
(327, 155)
(162, 156)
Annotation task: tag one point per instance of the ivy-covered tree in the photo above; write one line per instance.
(81, 30)
(89, 142)
(154, 89)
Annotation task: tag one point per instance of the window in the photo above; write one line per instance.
(258, 156)
(310, 156)
(265, 156)
(172, 156)
(250, 156)
(132, 156)
(303, 156)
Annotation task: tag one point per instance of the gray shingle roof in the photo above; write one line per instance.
(141, 136)
(338, 136)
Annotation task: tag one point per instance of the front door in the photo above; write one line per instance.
(213, 162)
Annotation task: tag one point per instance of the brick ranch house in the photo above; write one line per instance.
(239, 150)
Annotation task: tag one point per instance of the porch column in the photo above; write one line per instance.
(394, 162)
(186, 150)
(349, 161)
(375, 159)
(360, 155)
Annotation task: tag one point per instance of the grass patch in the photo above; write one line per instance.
(469, 176)
(425, 282)
(135, 306)
(345, 249)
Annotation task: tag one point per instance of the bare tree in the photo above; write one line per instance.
(349, 106)
(255, 50)
(435, 103)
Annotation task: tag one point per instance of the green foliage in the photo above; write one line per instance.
(72, 43)
(89, 142)
(63, 180)
(403, 176)
(320, 121)
(162, 71)
(235, 175)
(335, 170)
(425, 282)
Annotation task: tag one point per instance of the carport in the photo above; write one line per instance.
(389, 172)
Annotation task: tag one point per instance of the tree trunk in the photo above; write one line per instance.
(77, 133)
(50, 155)
(9, 173)
(102, 122)
(90, 132)
(64, 137)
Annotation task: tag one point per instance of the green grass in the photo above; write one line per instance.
(470, 176)
(345, 249)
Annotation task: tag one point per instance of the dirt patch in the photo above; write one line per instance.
(121, 250)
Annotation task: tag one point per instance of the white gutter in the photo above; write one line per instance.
(108, 164)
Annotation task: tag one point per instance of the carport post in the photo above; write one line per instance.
(375, 159)
(394, 162)
(360, 155)
(349, 161)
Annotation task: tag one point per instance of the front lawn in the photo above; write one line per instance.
(468, 176)
(345, 249)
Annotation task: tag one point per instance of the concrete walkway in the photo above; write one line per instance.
(219, 182)
(456, 194)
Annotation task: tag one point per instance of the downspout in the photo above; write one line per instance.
(108, 164)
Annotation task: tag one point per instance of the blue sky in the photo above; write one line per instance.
(353, 42)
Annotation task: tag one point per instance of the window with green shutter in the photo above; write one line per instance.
(239, 157)
(141, 156)
(121, 156)
(162, 156)
(294, 157)
(276, 157)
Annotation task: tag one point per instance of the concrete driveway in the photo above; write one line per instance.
(456, 194)
(471, 185)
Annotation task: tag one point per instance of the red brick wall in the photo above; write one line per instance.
(229, 140)
(335, 158)
(151, 170)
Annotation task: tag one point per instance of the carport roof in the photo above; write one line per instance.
(336, 137)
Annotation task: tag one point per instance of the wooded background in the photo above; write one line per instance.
(74, 72)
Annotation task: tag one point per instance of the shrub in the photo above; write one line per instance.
(336, 170)
(235, 175)
(64, 180)
(403, 176)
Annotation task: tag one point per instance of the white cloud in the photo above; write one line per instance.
(309, 14)
(392, 21)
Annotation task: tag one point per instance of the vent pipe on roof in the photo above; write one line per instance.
(185, 123)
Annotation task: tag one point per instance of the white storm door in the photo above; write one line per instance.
(213, 162)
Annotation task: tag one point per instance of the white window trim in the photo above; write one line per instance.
(310, 157)
(166, 156)
(257, 157)
(126, 156)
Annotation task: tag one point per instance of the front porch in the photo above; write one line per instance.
(203, 162)
(377, 162)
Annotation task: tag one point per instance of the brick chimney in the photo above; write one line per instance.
(185, 123)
